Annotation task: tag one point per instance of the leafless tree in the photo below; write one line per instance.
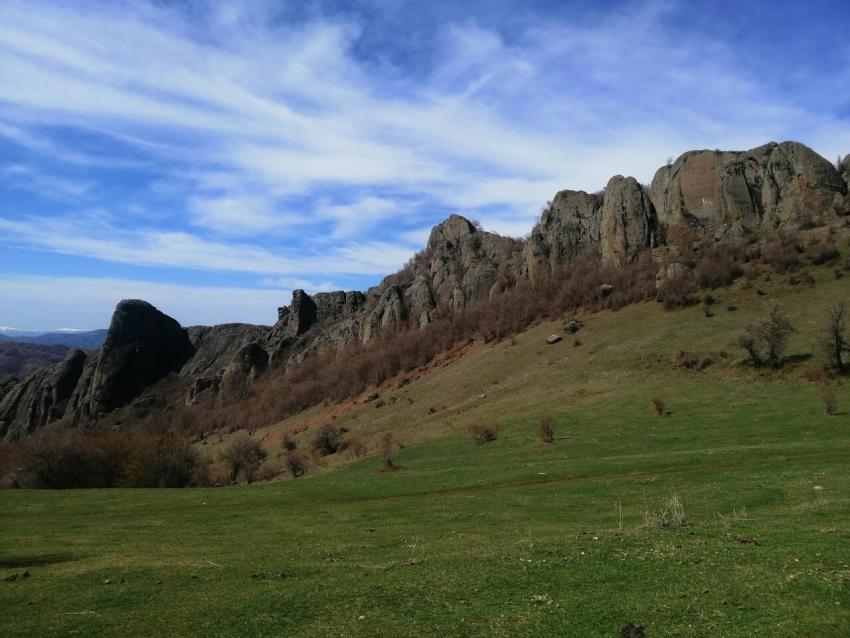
(836, 343)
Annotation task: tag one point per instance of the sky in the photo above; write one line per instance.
(210, 157)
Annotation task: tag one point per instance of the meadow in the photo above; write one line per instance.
(512, 538)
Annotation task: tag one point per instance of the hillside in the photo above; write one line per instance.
(707, 211)
(510, 538)
(22, 359)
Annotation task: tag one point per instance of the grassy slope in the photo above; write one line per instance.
(463, 538)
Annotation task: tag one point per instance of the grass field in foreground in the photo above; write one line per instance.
(514, 538)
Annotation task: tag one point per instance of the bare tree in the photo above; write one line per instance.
(765, 341)
(243, 456)
(836, 343)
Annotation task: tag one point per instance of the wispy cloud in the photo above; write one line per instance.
(274, 139)
(99, 239)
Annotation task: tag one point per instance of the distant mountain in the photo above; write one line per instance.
(85, 340)
(21, 359)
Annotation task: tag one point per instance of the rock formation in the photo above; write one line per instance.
(734, 192)
(570, 225)
(142, 345)
(629, 223)
(40, 398)
(721, 193)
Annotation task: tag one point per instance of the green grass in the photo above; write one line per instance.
(514, 538)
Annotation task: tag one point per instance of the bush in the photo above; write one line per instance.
(386, 445)
(295, 463)
(676, 292)
(163, 461)
(357, 449)
(765, 341)
(483, 434)
(328, 440)
(289, 444)
(830, 402)
(658, 404)
(546, 431)
(64, 459)
(782, 254)
(243, 458)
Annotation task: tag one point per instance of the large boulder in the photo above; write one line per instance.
(570, 225)
(142, 346)
(40, 398)
(735, 192)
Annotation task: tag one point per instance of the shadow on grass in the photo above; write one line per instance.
(35, 561)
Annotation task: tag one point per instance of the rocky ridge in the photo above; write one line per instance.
(721, 193)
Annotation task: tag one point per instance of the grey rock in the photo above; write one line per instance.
(250, 362)
(572, 326)
(40, 398)
(604, 290)
(671, 272)
(568, 227)
(734, 192)
(141, 347)
(216, 346)
(552, 339)
(629, 223)
(389, 313)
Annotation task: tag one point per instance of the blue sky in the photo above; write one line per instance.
(211, 157)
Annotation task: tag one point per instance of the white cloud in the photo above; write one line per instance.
(19, 176)
(291, 157)
(96, 238)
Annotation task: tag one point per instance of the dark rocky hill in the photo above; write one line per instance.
(21, 359)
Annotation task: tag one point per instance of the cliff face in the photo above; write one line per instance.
(717, 192)
(735, 192)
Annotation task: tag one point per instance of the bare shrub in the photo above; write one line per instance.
(782, 253)
(676, 292)
(719, 264)
(659, 405)
(63, 459)
(357, 449)
(835, 340)
(387, 444)
(671, 514)
(243, 457)
(765, 341)
(328, 440)
(162, 461)
(483, 434)
(546, 431)
(830, 402)
(295, 463)
(289, 444)
(822, 253)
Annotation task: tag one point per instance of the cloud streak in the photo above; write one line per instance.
(257, 138)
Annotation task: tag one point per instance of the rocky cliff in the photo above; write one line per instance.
(717, 192)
